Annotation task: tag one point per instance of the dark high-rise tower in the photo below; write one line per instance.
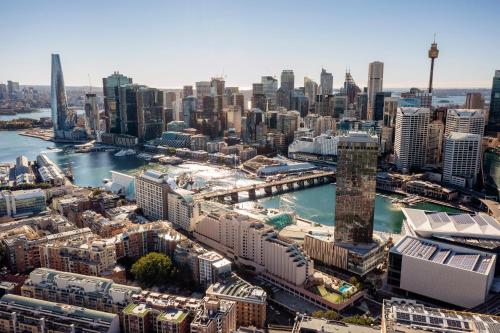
(356, 183)
(433, 54)
(63, 119)
(110, 86)
(494, 116)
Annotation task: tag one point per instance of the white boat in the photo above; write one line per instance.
(125, 152)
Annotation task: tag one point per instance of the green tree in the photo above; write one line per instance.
(359, 320)
(153, 269)
(329, 314)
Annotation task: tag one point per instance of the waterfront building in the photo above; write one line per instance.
(111, 85)
(408, 316)
(308, 324)
(411, 137)
(92, 117)
(462, 158)
(375, 85)
(12, 89)
(418, 265)
(212, 267)
(151, 191)
(435, 143)
(494, 115)
(326, 82)
(189, 107)
(198, 142)
(129, 121)
(122, 184)
(175, 139)
(91, 292)
(474, 100)
(322, 147)
(22, 314)
(356, 184)
(180, 208)
(429, 190)
(250, 300)
(22, 202)
(49, 171)
(465, 121)
(150, 114)
(64, 120)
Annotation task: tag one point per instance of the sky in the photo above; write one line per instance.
(168, 44)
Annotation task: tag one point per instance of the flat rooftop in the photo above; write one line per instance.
(238, 288)
(309, 324)
(407, 316)
(444, 254)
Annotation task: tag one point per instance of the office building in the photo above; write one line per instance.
(362, 106)
(189, 107)
(23, 314)
(411, 137)
(494, 115)
(64, 120)
(129, 121)
(351, 90)
(12, 89)
(474, 100)
(435, 269)
(22, 202)
(462, 158)
(180, 208)
(92, 117)
(269, 88)
(187, 91)
(150, 114)
(310, 89)
(326, 82)
(375, 85)
(408, 316)
(91, 292)
(356, 183)
(111, 89)
(49, 171)
(435, 144)
(379, 105)
(250, 300)
(287, 80)
(465, 121)
(151, 191)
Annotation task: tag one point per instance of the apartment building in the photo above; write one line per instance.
(79, 290)
(151, 191)
(217, 316)
(213, 267)
(24, 314)
(462, 159)
(22, 202)
(181, 208)
(465, 121)
(251, 301)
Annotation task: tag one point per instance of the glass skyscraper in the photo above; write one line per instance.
(111, 85)
(356, 184)
(63, 119)
(494, 117)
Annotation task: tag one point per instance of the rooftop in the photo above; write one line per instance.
(235, 287)
(305, 323)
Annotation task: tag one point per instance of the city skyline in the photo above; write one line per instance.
(172, 35)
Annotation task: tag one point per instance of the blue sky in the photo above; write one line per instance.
(167, 44)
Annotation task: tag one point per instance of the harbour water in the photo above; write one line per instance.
(89, 169)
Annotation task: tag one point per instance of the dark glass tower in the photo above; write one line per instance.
(150, 114)
(356, 185)
(494, 116)
(111, 85)
(63, 119)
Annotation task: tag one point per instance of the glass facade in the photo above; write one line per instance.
(491, 168)
(62, 118)
(111, 86)
(151, 114)
(356, 185)
(494, 116)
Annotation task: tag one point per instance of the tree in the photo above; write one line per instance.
(329, 314)
(153, 269)
(353, 281)
(359, 320)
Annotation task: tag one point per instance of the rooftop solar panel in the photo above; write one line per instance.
(464, 261)
(462, 219)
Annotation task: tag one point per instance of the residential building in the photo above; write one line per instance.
(418, 266)
(217, 316)
(408, 316)
(250, 300)
(213, 267)
(181, 208)
(375, 85)
(411, 138)
(465, 121)
(23, 314)
(356, 184)
(462, 158)
(151, 190)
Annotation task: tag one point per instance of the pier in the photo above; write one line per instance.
(270, 188)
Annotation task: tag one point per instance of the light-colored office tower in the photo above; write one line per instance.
(375, 84)
(23, 314)
(356, 183)
(213, 267)
(180, 208)
(151, 191)
(465, 121)
(310, 90)
(233, 116)
(326, 82)
(217, 85)
(270, 86)
(92, 119)
(411, 137)
(461, 159)
(435, 143)
(288, 123)
(474, 100)
(287, 80)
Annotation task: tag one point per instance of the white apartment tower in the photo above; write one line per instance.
(461, 159)
(465, 121)
(411, 137)
(375, 84)
(151, 191)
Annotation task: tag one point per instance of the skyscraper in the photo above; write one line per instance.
(189, 106)
(494, 116)
(287, 80)
(326, 82)
(63, 119)
(465, 121)
(474, 100)
(92, 119)
(150, 114)
(310, 90)
(350, 88)
(187, 91)
(356, 184)
(375, 84)
(111, 85)
(410, 140)
(270, 86)
(128, 109)
(378, 107)
(461, 159)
